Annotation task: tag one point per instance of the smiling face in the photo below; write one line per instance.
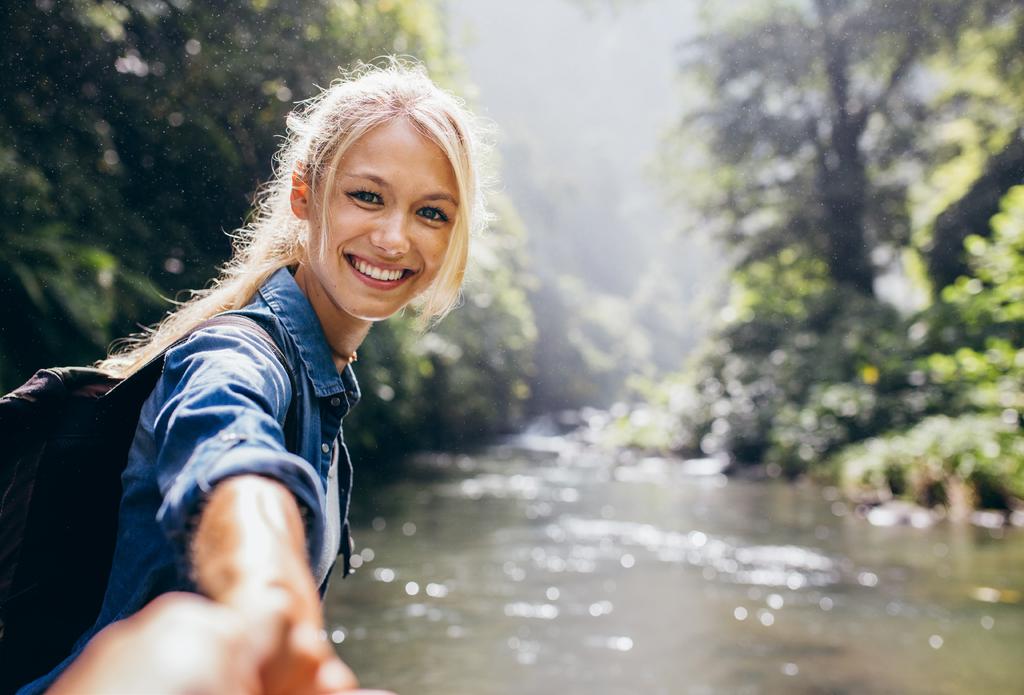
(389, 218)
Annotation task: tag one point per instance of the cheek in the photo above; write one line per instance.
(436, 248)
(342, 222)
(320, 252)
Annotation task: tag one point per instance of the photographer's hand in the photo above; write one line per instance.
(179, 643)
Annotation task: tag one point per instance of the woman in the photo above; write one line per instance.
(375, 196)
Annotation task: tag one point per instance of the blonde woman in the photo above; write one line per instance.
(375, 198)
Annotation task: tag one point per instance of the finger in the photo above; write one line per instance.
(306, 644)
(293, 665)
(334, 676)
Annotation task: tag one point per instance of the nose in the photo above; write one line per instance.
(391, 236)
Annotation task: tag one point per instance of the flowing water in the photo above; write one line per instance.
(551, 569)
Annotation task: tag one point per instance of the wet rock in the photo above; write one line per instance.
(704, 466)
(901, 513)
(987, 518)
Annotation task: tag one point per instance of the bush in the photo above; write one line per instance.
(800, 368)
(939, 460)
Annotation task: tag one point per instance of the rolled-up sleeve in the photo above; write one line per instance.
(225, 396)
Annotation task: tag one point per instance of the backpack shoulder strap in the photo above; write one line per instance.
(291, 421)
(144, 380)
(246, 324)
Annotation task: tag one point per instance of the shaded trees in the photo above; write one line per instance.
(132, 135)
(810, 116)
(840, 141)
(970, 214)
(980, 114)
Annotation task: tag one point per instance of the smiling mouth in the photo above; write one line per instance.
(379, 274)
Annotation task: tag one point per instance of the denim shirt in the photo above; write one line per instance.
(218, 411)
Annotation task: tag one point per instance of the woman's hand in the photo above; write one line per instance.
(249, 553)
(295, 658)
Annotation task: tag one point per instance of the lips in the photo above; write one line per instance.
(388, 276)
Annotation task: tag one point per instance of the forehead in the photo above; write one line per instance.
(401, 154)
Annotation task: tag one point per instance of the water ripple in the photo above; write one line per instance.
(790, 566)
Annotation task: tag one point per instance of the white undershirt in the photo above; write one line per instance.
(332, 524)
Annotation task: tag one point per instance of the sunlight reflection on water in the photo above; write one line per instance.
(509, 572)
(770, 565)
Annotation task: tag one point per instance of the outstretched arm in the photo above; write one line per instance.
(260, 634)
(249, 553)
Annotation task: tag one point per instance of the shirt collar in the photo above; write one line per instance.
(293, 310)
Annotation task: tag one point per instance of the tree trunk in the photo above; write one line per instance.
(971, 214)
(843, 186)
(842, 179)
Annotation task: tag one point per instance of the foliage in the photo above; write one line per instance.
(977, 144)
(135, 132)
(961, 462)
(132, 133)
(800, 368)
(820, 176)
(936, 427)
(980, 313)
(807, 133)
(991, 301)
(973, 338)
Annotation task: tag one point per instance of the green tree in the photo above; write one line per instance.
(814, 126)
(973, 454)
(132, 134)
(809, 120)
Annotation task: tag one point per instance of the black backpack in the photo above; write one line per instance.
(65, 434)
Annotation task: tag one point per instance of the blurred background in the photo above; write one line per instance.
(734, 399)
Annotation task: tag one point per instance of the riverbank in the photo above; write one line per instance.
(966, 469)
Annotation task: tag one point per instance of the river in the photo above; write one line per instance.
(544, 568)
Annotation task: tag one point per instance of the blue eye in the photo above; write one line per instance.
(366, 197)
(433, 214)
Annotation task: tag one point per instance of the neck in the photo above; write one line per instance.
(344, 333)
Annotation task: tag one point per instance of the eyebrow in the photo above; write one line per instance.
(442, 196)
(384, 184)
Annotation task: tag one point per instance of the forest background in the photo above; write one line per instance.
(859, 165)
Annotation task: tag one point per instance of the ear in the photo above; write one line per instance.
(300, 196)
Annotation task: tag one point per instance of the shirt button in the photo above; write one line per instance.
(335, 401)
(325, 447)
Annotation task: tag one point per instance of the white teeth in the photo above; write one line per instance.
(375, 272)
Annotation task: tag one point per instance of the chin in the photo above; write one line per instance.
(375, 315)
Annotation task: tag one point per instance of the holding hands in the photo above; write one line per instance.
(185, 644)
(261, 634)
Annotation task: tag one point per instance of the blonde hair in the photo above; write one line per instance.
(320, 131)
